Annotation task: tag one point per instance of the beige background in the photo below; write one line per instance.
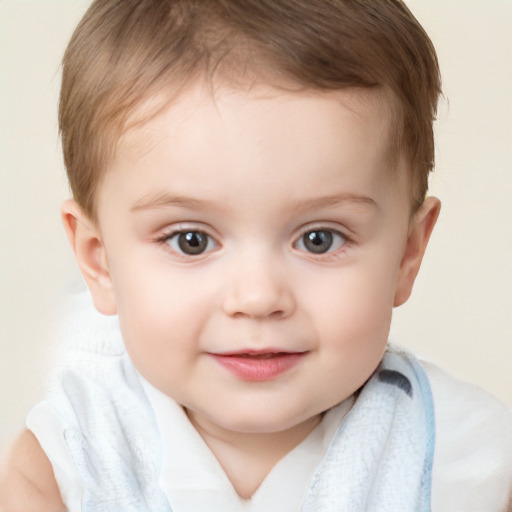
(461, 312)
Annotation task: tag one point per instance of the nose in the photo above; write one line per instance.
(258, 289)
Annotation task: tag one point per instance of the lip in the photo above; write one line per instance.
(258, 365)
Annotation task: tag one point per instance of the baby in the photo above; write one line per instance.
(249, 182)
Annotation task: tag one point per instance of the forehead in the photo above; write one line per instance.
(201, 104)
(235, 137)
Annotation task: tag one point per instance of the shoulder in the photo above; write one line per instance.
(27, 482)
(473, 456)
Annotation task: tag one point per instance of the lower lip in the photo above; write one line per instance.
(259, 369)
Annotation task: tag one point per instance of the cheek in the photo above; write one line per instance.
(354, 341)
(158, 313)
(353, 316)
(359, 297)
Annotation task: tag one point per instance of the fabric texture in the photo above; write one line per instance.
(107, 423)
(381, 457)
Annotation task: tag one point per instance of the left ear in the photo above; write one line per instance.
(420, 230)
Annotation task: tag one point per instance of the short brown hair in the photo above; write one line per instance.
(126, 51)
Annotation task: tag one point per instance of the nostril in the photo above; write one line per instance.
(275, 315)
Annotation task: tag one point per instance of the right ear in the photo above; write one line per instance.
(87, 244)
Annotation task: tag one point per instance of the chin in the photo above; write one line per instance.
(267, 422)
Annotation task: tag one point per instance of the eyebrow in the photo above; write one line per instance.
(333, 200)
(163, 200)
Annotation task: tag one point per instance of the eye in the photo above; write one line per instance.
(191, 243)
(321, 241)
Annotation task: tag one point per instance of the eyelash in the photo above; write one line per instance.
(206, 243)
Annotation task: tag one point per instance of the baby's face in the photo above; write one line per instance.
(254, 242)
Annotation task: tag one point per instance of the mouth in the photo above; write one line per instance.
(258, 365)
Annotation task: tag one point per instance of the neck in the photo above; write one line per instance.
(247, 458)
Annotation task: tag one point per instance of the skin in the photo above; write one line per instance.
(255, 173)
(27, 483)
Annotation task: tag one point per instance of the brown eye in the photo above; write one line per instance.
(193, 242)
(190, 243)
(320, 241)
